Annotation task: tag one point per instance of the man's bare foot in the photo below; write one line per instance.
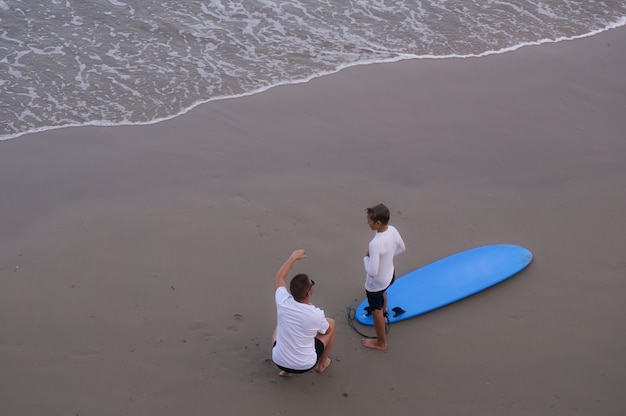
(285, 374)
(372, 343)
(323, 366)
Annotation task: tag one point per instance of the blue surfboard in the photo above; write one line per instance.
(449, 280)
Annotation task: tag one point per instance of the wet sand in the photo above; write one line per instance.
(137, 263)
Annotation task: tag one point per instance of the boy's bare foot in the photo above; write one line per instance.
(285, 374)
(372, 343)
(323, 366)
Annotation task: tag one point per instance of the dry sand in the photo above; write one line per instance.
(137, 263)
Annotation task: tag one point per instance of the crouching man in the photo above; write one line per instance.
(304, 336)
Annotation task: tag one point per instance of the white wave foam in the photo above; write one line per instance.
(138, 69)
(106, 123)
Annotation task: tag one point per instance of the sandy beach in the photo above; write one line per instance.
(137, 263)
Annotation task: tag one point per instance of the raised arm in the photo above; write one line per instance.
(279, 280)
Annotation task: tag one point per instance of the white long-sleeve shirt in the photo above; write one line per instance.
(379, 266)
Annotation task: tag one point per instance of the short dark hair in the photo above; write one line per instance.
(299, 286)
(379, 212)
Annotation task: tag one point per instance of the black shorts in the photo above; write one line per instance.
(319, 349)
(376, 300)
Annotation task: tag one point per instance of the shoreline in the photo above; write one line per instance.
(615, 25)
(137, 262)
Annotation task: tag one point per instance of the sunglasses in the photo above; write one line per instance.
(312, 284)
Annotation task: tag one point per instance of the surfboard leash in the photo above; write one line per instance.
(352, 312)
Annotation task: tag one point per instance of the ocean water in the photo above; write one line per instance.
(111, 62)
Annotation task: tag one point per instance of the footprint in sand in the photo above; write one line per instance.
(85, 355)
(238, 318)
(198, 326)
(203, 329)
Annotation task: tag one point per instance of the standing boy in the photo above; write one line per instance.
(380, 271)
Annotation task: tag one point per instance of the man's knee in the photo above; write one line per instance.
(330, 333)
(331, 324)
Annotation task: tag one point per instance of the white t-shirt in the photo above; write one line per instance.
(379, 265)
(298, 324)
